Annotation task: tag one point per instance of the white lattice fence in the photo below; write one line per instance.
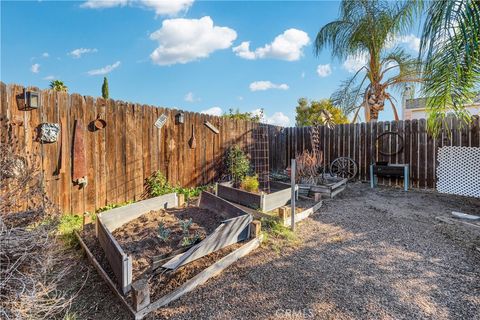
(458, 171)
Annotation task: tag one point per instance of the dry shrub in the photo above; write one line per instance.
(308, 164)
(32, 262)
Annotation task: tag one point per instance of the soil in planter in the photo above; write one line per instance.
(140, 239)
(164, 283)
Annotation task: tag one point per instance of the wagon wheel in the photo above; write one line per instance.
(344, 167)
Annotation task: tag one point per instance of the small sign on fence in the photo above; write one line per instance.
(161, 121)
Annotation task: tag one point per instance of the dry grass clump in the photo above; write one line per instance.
(32, 262)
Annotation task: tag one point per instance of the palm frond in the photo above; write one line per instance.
(349, 95)
(450, 46)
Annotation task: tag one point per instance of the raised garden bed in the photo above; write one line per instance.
(329, 188)
(279, 196)
(129, 254)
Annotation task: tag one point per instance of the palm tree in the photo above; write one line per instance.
(366, 29)
(58, 85)
(450, 47)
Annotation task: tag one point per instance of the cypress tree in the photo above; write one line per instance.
(105, 94)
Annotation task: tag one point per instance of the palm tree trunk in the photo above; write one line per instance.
(374, 102)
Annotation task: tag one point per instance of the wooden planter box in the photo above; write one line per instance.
(329, 189)
(233, 230)
(258, 201)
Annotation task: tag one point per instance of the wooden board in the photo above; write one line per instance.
(103, 274)
(231, 231)
(117, 217)
(118, 260)
(304, 214)
(277, 199)
(202, 277)
(242, 197)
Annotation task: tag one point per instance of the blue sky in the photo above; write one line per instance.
(187, 54)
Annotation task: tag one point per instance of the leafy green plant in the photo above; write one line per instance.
(185, 225)
(237, 163)
(450, 47)
(113, 206)
(163, 232)
(248, 116)
(250, 183)
(158, 185)
(277, 236)
(67, 225)
(189, 240)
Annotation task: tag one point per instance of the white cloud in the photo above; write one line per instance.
(102, 71)
(214, 111)
(190, 97)
(49, 78)
(186, 40)
(354, 63)
(279, 119)
(45, 55)
(286, 46)
(35, 68)
(266, 85)
(412, 42)
(324, 70)
(96, 4)
(161, 7)
(77, 53)
(243, 51)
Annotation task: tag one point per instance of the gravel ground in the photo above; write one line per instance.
(367, 254)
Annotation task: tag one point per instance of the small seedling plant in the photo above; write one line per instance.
(188, 239)
(163, 232)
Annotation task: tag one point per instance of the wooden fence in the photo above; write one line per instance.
(122, 155)
(359, 142)
(130, 148)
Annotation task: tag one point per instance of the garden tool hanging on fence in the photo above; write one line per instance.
(192, 142)
(79, 157)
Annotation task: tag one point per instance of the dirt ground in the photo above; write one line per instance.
(367, 254)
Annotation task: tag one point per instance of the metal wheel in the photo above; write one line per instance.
(344, 167)
(399, 143)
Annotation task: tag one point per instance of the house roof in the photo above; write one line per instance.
(419, 103)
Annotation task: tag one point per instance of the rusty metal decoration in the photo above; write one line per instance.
(99, 123)
(192, 142)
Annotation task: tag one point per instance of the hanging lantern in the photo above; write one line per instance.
(180, 118)
(32, 99)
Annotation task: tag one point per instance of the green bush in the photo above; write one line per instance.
(158, 185)
(68, 224)
(237, 163)
(250, 183)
